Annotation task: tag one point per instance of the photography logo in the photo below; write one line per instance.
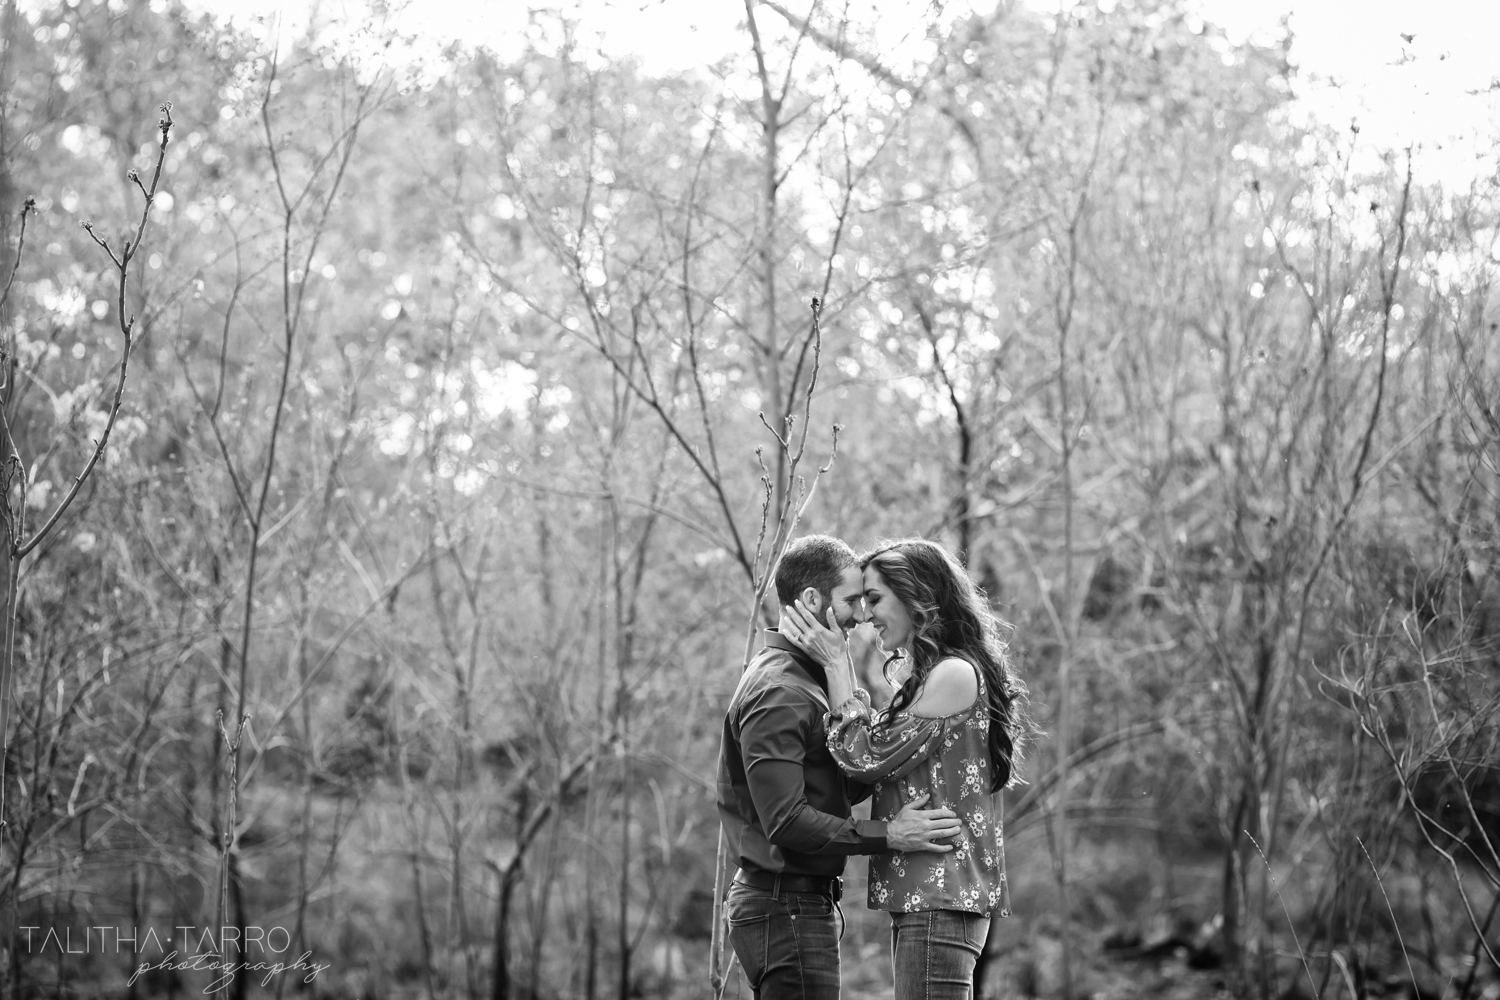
(225, 953)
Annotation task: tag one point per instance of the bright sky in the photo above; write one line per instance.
(1438, 90)
(1433, 91)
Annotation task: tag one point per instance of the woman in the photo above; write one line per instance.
(951, 732)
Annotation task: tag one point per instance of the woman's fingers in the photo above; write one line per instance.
(812, 623)
(801, 626)
(788, 626)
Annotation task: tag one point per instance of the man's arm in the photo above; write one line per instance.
(773, 733)
(790, 821)
(793, 824)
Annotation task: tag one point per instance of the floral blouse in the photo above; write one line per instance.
(948, 758)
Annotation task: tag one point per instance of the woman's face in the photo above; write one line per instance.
(892, 622)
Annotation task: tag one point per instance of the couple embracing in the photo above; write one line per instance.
(802, 745)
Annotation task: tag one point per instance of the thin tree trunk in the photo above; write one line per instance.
(770, 348)
(1065, 696)
(1066, 610)
(1233, 894)
(423, 927)
(417, 853)
(304, 834)
(241, 919)
(8, 578)
(539, 926)
(501, 985)
(623, 934)
(527, 829)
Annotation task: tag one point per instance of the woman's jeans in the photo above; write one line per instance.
(933, 953)
(788, 945)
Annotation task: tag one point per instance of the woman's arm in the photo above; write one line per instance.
(870, 750)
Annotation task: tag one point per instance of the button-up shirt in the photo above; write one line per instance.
(784, 803)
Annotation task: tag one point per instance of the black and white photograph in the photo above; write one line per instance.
(750, 499)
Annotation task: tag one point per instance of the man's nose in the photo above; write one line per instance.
(861, 615)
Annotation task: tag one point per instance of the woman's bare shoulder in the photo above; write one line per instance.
(950, 688)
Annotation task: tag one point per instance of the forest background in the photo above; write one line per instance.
(469, 398)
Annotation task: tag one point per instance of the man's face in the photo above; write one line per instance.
(848, 599)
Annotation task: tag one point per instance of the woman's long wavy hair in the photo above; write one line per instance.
(951, 617)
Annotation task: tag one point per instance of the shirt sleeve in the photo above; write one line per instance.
(773, 738)
(870, 750)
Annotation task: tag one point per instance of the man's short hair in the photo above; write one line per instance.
(816, 561)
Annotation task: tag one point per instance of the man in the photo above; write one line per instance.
(784, 803)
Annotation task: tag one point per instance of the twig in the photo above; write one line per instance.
(1389, 909)
(1373, 726)
(127, 327)
(26, 209)
(14, 469)
(1300, 953)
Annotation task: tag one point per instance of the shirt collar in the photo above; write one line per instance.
(775, 640)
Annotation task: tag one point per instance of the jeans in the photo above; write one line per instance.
(788, 946)
(933, 953)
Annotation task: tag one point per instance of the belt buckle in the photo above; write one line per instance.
(836, 888)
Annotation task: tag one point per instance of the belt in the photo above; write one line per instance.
(821, 885)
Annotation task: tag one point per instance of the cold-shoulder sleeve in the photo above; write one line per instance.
(868, 749)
